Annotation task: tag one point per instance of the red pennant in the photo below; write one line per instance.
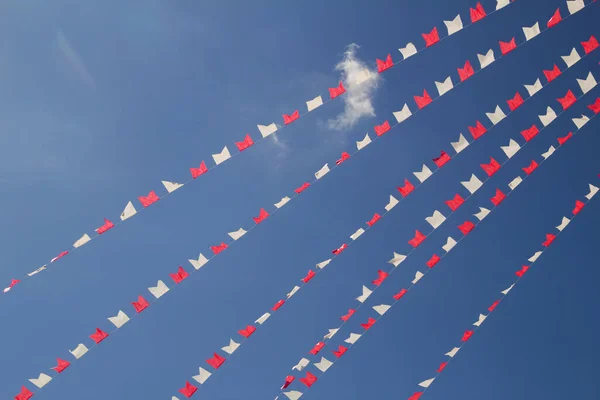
(340, 351)
(385, 65)
(148, 200)
(288, 379)
(530, 133)
(98, 336)
(345, 156)
(381, 129)
(442, 366)
(309, 380)
(107, 225)
(262, 215)
(562, 140)
(368, 324)
(442, 159)
(552, 74)
(179, 276)
(415, 396)
(317, 348)
(578, 207)
(373, 221)
(216, 361)
(400, 294)
(507, 47)
(466, 227)
(491, 168)
(188, 391)
(247, 331)
(340, 249)
(466, 72)
(433, 261)
(423, 101)
(478, 130)
(549, 239)
(532, 167)
(466, 336)
(347, 316)
(568, 100)
(302, 188)
(456, 202)
(337, 91)
(478, 13)
(196, 172)
(498, 198)
(522, 271)
(382, 275)
(61, 365)
(417, 240)
(24, 394)
(406, 189)
(493, 306)
(243, 145)
(431, 38)
(64, 253)
(13, 283)
(515, 102)
(590, 45)
(556, 18)
(595, 107)
(219, 248)
(278, 305)
(288, 119)
(311, 274)
(140, 305)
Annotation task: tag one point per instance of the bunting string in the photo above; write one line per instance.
(324, 364)
(476, 14)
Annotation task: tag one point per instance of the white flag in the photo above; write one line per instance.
(548, 117)
(331, 333)
(324, 364)
(263, 318)
(505, 291)
(79, 351)
(592, 193)
(418, 277)
(237, 234)
(480, 320)
(282, 202)
(548, 153)
(497, 116)
(436, 219)
(82, 240)
(397, 259)
(408, 51)
(128, 212)
(362, 76)
(531, 32)
(501, 4)
(403, 114)
(171, 186)
(575, 6)
(452, 352)
(426, 383)
(450, 243)
(266, 130)
(365, 294)
(293, 292)
(424, 174)
(293, 394)
(473, 184)
(322, 172)
(303, 363)
(224, 155)
(202, 376)
(572, 58)
(580, 122)
(363, 143)
(323, 264)
(483, 212)
(357, 234)
(534, 257)
(119, 320)
(393, 202)
(314, 103)
(454, 26)
(587, 84)
(512, 148)
(158, 290)
(563, 224)
(41, 380)
(381, 309)
(515, 182)
(487, 59)
(444, 87)
(352, 338)
(460, 145)
(233, 346)
(200, 262)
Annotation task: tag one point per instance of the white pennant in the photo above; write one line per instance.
(587, 84)
(82, 240)
(303, 363)
(592, 193)
(473, 184)
(505, 291)
(450, 243)
(418, 277)
(324, 364)
(128, 212)
(547, 118)
(352, 338)
(487, 59)
(200, 262)
(550, 151)
(483, 212)
(381, 309)
(501, 4)
(424, 174)
(393, 202)
(233, 346)
(565, 221)
(426, 383)
(79, 351)
(293, 292)
(237, 234)
(533, 89)
(293, 394)
(572, 58)
(452, 352)
(41, 380)
(224, 155)
(580, 122)
(512, 148)
(171, 186)
(454, 26)
(460, 145)
(263, 318)
(497, 116)
(515, 182)
(362, 76)
(266, 130)
(397, 259)
(575, 6)
(444, 87)
(531, 32)
(314, 103)
(331, 333)
(202, 376)
(534, 257)
(357, 234)
(363, 143)
(436, 219)
(403, 114)
(408, 51)
(119, 320)
(37, 271)
(480, 320)
(365, 294)
(323, 264)
(322, 172)
(158, 290)
(282, 202)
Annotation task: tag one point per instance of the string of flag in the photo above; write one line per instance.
(466, 228)
(401, 116)
(456, 25)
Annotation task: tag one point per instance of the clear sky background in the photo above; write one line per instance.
(103, 100)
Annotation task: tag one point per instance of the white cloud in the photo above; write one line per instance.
(358, 100)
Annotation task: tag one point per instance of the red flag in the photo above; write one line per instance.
(442, 159)
(345, 156)
(531, 167)
(415, 396)
(381, 129)
(507, 47)
(431, 38)
(424, 100)
(498, 198)
(98, 336)
(562, 140)
(309, 276)
(317, 348)
(406, 189)
(491, 168)
(556, 18)
(530, 133)
(302, 188)
(549, 239)
(384, 65)
(373, 221)
(337, 91)
(64, 253)
(243, 145)
(368, 324)
(417, 240)
(196, 172)
(262, 215)
(247, 331)
(466, 336)
(590, 45)
(148, 200)
(456, 202)
(478, 130)
(382, 275)
(188, 391)
(515, 102)
(25, 394)
(433, 261)
(400, 294)
(107, 225)
(216, 361)
(219, 248)
(522, 271)
(13, 283)
(278, 305)
(340, 351)
(578, 207)
(595, 107)
(61, 365)
(493, 306)
(340, 249)
(442, 366)
(180, 275)
(288, 119)
(568, 100)
(466, 72)
(466, 227)
(552, 74)
(478, 13)
(309, 380)
(288, 379)
(347, 316)
(140, 305)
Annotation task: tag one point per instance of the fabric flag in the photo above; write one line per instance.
(24, 394)
(368, 324)
(302, 188)
(363, 143)
(98, 336)
(533, 89)
(417, 240)
(282, 202)
(568, 100)
(397, 259)
(431, 38)
(221, 157)
(373, 221)
(61, 365)
(381, 309)
(548, 153)
(442, 159)
(522, 271)
(552, 74)
(219, 248)
(288, 381)
(262, 215)
(58, 257)
(13, 282)
(158, 290)
(322, 172)
(400, 294)
(337, 91)
(348, 316)
(563, 224)
(366, 292)
(393, 202)
(530, 133)
(196, 172)
(263, 318)
(119, 320)
(128, 212)
(473, 184)
(140, 305)
(407, 189)
(188, 390)
(433, 261)
(478, 130)
(466, 227)
(590, 45)
(340, 249)
(317, 348)
(266, 130)
(423, 101)
(79, 351)
(502, 3)
(324, 364)
(340, 351)
(515, 182)
(556, 18)
(247, 331)
(418, 276)
(592, 193)
(442, 366)
(424, 174)
(507, 47)
(362, 76)
(531, 32)
(357, 234)
(562, 140)
(549, 239)
(231, 347)
(454, 26)
(202, 376)
(179, 276)
(293, 291)
(82, 240)
(491, 168)
(216, 361)
(595, 107)
(512, 148)
(331, 333)
(415, 396)
(452, 352)
(455, 202)
(575, 6)
(436, 219)
(148, 200)
(494, 305)
(466, 336)
(515, 102)
(237, 234)
(477, 13)
(466, 72)
(497, 116)
(450, 243)
(480, 320)
(382, 275)
(311, 274)
(293, 395)
(41, 381)
(587, 84)
(461, 144)
(444, 87)
(244, 144)
(578, 207)
(534, 257)
(572, 59)
(288, 119)
(486, 59)
(385, 65)
(483, 212)
(278, 305)
(314, 103)
(403, 114)
(408, 51)
(343, 158)
(498, 198)
(531, 167)
(382, 129)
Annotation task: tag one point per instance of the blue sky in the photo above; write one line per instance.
(102, 101)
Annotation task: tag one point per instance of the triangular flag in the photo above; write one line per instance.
(352, 338)
(418, 277)
(293, 292)
(426, 383)
(563, 224)
(393, 202)
(480, 320)
(128, 212)
(293, 394)
(171, 186)
(397, 259)
(331, 333)
(548, 117)
(505, 291)
(362, 76)
(580, 122)
(593, 191)
(483, 212)
(452, 352)
(381, 309)
(323, 264)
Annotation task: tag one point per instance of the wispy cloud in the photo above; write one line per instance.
(75, 60)
(358, 100)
